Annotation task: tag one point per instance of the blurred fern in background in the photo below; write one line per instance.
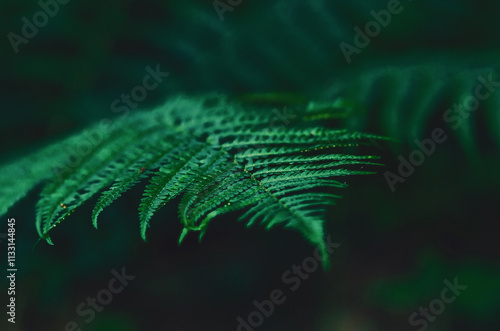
(397, 247)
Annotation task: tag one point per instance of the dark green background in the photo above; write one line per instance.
(396, 248)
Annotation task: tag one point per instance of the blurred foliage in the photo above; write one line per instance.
(397, 248)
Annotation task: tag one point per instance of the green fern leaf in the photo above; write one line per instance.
(220, 156)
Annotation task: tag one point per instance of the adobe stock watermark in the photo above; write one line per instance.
(372, 29)
(437, 306)
(140, 92)
(104, 297)
(95, 136)
(292, 279)
(454, 116)
(30, 28)
(223, 6)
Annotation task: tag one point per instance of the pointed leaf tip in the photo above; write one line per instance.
(94, 221)
(183, 235)
(202, 234)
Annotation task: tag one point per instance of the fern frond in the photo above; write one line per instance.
(171, 180)
(152, 156)
(404, 102)
(221, 157)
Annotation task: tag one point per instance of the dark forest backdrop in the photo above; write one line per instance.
(397, 248)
